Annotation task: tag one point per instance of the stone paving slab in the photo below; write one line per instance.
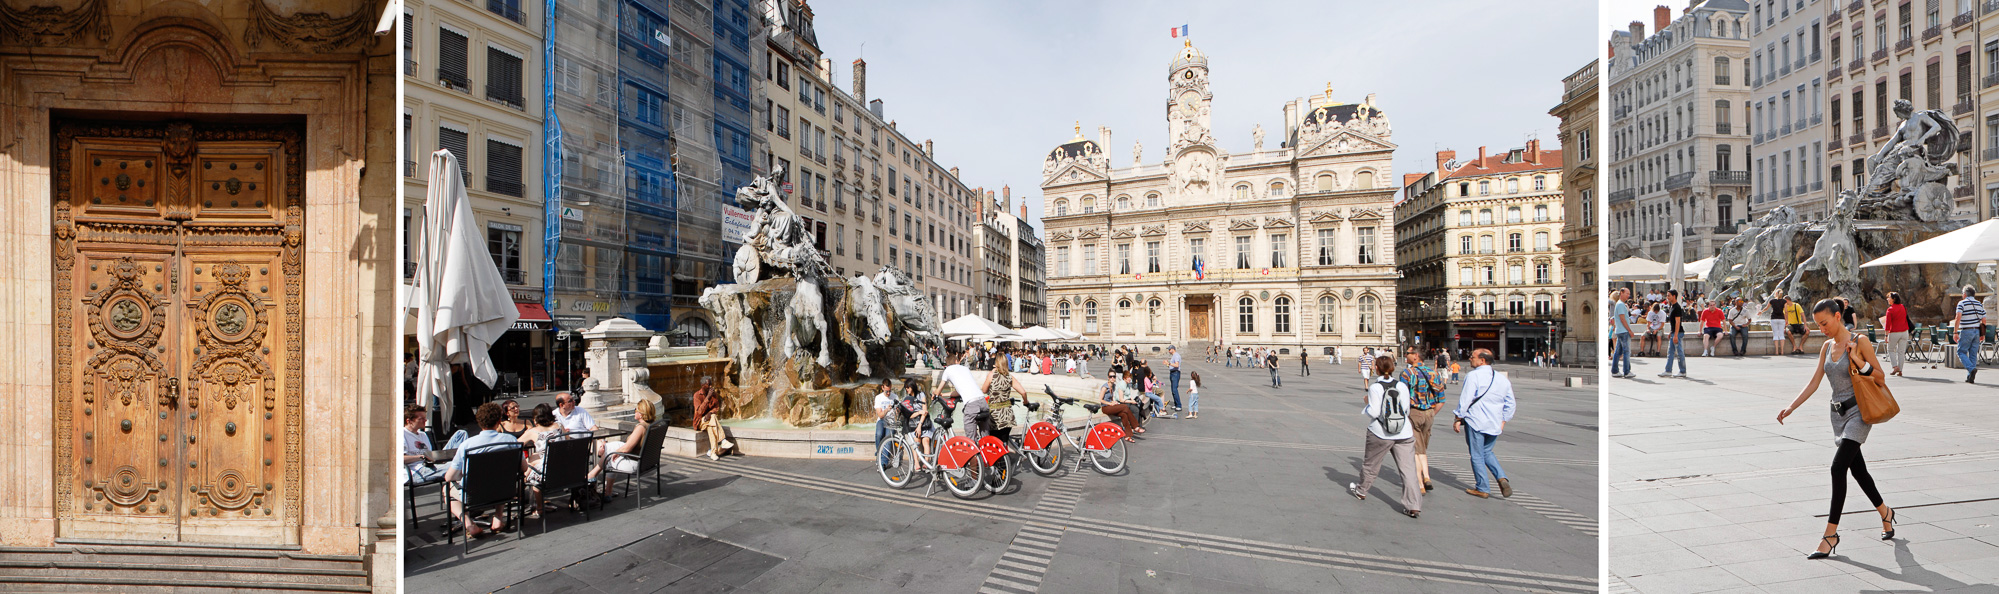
(1708, 493)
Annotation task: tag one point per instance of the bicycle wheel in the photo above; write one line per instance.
(901, 463)
(1045, 460)
(1110, 461)
(966, 482)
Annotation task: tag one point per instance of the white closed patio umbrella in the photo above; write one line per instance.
(1676, 266)
(461, 301)
(970, 325)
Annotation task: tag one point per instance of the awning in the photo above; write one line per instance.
(533, 317)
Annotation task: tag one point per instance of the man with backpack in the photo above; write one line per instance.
(1389, 432)
(1426, 397)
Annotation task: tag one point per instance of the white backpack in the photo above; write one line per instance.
(1394, 418)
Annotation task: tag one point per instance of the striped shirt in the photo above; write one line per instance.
(1970, 313)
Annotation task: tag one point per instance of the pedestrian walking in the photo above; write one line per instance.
(1366, 360)
(1231, 357)
(1837, 365)
(1454, 372)
(1270, 359)
(1173, 375)
(1389, 433)
(1774, 310)
(1738, 327)
(1485, 404)
(1426, 397)
(1676, 316)
(1896, 322)
(1970, 328)
(1194, 395)
(1304, 363)
(1620, 330)
(1712, 319)
(1336, 355)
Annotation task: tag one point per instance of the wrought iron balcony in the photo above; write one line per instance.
(1880, 131)
(1815, 57)
(1932, 33)
(1728, 178)
(1989, 7)
(1961, 19)
(1834, 73)
(1784, 70)
(1622, 196)
(1786, 130)
(1857, 139)
(1724, 128)
(1962, 108)
(1857, 5)
(1835, 16)
(1878, 55)
(1856, 65)
(1680, 180)
(1724, 229)
(1904, 45)
(1991, 153)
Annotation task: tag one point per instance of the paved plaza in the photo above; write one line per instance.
(1709, 494)
(1248, 498)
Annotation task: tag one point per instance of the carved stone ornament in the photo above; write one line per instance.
(1242, 224)
(1361, 214)
(51, 25)
(1325, 216)
(1277, 222)
(1151, 230)
(311, 32)
(1121, 234)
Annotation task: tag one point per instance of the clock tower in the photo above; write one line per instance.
(1195, 165)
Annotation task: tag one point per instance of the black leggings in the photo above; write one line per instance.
(1848, 458)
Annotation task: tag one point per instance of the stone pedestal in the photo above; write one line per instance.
(1930, 290)
(606, 341)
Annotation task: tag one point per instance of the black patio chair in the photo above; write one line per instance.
(567, 472)
(648, 458)
(410, 484)
(494, 479)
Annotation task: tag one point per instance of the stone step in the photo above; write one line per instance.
(163, 568)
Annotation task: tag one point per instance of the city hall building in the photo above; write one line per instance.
(190, 190)
(1290, 247)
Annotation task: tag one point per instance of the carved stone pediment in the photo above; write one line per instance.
(1277, 223)
(1343, 142)
(1152, 230)
(1195, 227)
(1242, 224)
(1091, 233)
(1366, 214)
(1070, 171)
(1061, 236)
(308, 32)
(1122, 234)
(53, 25)
(1325, 216)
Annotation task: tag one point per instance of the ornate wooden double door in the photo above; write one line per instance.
(178, 280)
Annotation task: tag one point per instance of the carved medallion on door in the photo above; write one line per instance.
(178, 297)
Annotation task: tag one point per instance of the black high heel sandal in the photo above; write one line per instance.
(1889, 534)
(1832, 538)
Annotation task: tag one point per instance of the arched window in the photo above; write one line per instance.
(1367, 305)
(1152, 200)
(1540, 183)
(1090, 316)
(1323, 183)
(1276, 189)
(1062, 314)
(1089, 204)
(1242, 191)
(1329, 315)
(1061, 207)
(1540, 241)
(1245, 316)
(1721, 63)
(1484, 188)
(1124, 202)
(1152, 317)
(1280, 320)
(1516, 304)
(698, 331)
(1464, 244)
(1124, 304)
(1364, 180)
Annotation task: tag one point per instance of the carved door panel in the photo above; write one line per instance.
(178, 416)
(1197, 322)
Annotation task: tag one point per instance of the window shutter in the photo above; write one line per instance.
(503, 78)
(503, 168)
(451, 59)
(455, 141)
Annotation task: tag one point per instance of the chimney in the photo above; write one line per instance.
(929, 150)
(1637, 32)
(1534, 151)
(954, 173)
(1480, 163)
(861, 81)
(1444, 157)
(891, 123)
(875, 106)
(826, 70)
(1006, 196)
(1661, 16)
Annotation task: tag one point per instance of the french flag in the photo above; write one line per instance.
(1200, 270)
(1180, 31)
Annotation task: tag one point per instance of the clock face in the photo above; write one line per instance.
(1189, 102)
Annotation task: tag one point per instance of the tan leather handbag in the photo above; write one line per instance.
(1877, 405)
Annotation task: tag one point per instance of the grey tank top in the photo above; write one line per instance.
(1837, 373)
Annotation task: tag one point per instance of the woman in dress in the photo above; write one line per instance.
(622, 455)
(1848, 429)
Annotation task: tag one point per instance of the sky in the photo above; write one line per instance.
(998, 84)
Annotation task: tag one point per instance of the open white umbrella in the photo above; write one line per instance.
(461, 301)
(1635, 269)
(1676, 266)
(1698, 269)
(973, 325)
(1041, 334)
(1976, 243)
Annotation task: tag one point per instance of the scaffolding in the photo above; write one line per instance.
(585, 221)
(697, 166)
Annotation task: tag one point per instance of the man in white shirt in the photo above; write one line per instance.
(571, 418)
(1485, 404)
(958, 377)
(416, 444)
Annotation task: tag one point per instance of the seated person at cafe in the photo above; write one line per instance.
(416, 444)
(536, 440)
(488, 416)
(573, 419)
(629, 445)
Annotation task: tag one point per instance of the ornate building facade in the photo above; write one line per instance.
(1578, 111)
(1288, 247)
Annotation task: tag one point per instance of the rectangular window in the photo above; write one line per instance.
(1364, 245)
(1326, 247)
(503, 78)
(1242, 252)
(451, 59)
(1279, 243)
(503, 168)
(1197, 250)
(1933, 84)
(1062, 261)
(504, 242)
(1152, 256)
(456, 142)
(1124, 258)
(1089, 259)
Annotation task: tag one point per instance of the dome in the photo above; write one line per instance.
(1076, 149)
(1343, 113)
(1188, 56)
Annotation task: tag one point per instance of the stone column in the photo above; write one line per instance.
(607, 340)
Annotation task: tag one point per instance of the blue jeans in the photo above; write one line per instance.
(1620, 351)
(1738, 341)
(1276, 381)
(1482, 457)
(881, 436)
(1194, 400)
(1675, 351)
(1231, 362)
(1173, 379)
(1158, 404)
(1967, 348)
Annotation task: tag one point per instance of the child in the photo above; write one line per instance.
(1454, 372)
(1194, 396)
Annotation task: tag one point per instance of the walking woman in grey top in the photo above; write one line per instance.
(1848, 429)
